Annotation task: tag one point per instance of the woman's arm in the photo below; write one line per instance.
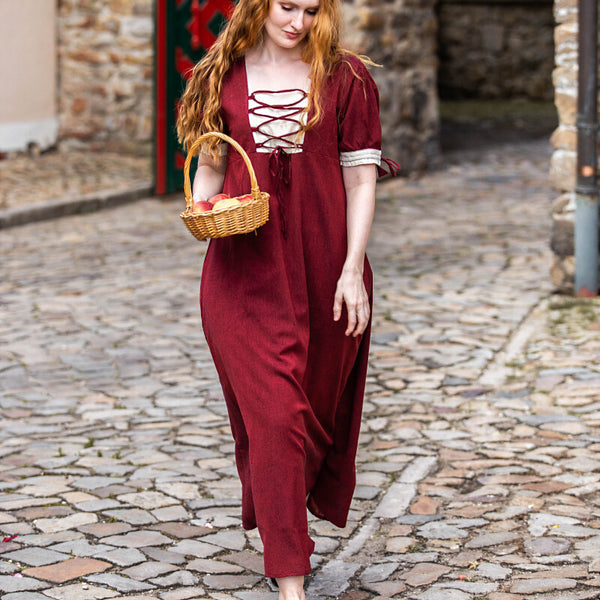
(359, 182)
(208, 180)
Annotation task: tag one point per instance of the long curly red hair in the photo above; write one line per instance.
(201, 102)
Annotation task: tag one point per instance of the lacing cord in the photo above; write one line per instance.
(392, 165)
(268, 113)
(279, 165)
(279, 160)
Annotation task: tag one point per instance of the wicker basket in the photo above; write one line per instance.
(243, 218)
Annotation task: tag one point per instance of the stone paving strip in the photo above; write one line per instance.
(62, 183)
(479, 459)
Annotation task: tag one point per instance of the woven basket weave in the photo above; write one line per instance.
(243, 218)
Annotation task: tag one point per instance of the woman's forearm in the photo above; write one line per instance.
(359, 183)
(360, 207)
(209, 177)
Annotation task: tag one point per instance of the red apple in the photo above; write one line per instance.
(246, 198)
(218, 197)
(202, 206)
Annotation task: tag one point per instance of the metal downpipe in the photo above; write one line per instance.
(586, 190)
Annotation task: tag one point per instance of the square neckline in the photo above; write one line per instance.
(257, 91)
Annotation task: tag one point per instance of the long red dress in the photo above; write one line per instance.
(292, 380)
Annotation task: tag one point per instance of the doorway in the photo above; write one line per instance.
(496, 59)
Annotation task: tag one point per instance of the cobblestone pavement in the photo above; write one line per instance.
(479, 461)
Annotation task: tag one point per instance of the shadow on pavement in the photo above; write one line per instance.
(478, 125)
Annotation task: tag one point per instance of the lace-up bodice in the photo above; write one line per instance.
(276, 118)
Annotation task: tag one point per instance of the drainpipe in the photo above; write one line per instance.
(586, 190)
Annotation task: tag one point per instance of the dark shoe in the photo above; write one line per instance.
(272, 583)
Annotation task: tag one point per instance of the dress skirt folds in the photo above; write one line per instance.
(292, 381)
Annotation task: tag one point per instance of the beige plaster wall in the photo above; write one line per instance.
(27, 73)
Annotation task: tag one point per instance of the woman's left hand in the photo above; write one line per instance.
(351, 291)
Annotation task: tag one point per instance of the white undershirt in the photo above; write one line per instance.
(276, 119)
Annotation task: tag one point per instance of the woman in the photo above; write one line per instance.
(286, 311)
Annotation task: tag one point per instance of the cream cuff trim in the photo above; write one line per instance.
(366, 156)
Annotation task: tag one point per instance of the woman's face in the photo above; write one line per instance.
(289, 21)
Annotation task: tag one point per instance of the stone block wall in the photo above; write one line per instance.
(564, 159)
(401, 36)
(105, 74)
(496, 49)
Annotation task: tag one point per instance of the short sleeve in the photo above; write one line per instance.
(359, 128)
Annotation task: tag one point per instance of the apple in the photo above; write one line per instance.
(246, 198)
(226, 203)
(202, 206)
(218, 197)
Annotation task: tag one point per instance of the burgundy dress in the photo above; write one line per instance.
(292, 380)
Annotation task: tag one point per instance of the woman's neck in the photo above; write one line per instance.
(266, 70)
(269, 53)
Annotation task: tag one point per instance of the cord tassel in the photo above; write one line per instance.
(392, 165)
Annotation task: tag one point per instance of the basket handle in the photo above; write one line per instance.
(187, 186)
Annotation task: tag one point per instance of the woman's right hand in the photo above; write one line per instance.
(351, 291)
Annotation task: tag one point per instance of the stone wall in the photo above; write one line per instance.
(496, 49)
(401, 36)
(105, 74)
(564, 159)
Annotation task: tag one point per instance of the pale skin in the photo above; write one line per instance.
(276, 65)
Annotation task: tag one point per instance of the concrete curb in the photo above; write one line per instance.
(61, 207)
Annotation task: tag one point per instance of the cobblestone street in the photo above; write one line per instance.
(479, 460)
